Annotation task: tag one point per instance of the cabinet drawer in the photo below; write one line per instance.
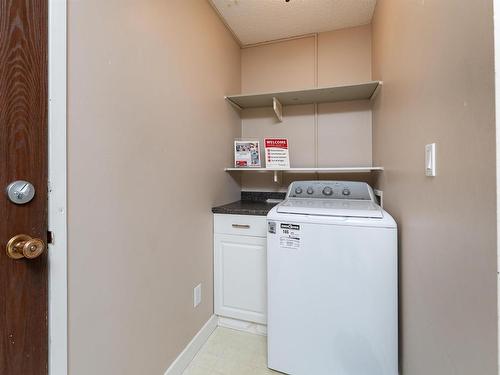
(241, 225)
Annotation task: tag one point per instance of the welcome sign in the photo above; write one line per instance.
(277, 155)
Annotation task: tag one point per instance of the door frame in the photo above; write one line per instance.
(496, 27)
(57, 184)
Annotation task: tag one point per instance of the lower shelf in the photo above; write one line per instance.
(309, 170)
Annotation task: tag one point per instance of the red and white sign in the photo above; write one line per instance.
(277, 155)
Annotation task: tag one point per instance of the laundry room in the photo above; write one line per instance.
(404, 137)
(249, 187)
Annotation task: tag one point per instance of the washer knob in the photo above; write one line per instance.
(298, 190)
(310, 190)
(327, 190)
(346, 192)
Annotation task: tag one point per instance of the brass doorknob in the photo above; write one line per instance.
(24, 246)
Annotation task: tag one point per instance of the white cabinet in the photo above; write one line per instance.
(240, 260)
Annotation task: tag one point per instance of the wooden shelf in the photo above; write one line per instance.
(360, 91)
(279, 171)
(309, 170)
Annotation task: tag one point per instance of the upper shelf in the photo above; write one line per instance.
(278, 171)
(360, 91)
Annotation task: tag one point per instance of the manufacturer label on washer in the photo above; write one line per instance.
(289, 236)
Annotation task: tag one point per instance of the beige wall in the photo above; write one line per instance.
(436, 61)
(344, 56)
(146, 81)
(341, 135)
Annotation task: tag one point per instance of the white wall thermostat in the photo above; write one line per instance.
(430, 160)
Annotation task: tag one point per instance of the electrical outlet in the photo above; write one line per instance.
(197, 295)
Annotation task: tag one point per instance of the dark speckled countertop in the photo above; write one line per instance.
(251, 203)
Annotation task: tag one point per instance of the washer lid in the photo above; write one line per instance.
(331, 207)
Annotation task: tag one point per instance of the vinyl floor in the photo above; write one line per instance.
(230, 352)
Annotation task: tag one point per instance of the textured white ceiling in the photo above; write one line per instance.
(254, 21)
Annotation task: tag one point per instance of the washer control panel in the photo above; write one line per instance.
(331, 190)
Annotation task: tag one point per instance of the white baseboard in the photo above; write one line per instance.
(187, 355)
(240, 325)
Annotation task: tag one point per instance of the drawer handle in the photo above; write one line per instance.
(241, 226)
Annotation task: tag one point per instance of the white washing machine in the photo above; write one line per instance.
(332, 282)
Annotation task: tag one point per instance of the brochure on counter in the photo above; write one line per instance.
(246, 154)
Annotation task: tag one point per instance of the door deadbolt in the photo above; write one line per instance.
(20, 192)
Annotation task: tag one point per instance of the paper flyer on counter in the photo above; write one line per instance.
(246, 154)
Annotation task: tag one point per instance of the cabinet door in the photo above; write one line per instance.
(240, 277)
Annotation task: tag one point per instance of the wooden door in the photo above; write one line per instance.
(23, 156)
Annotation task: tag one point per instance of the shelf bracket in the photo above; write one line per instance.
(277, 177)
(377, 89)
(278, 109)
(235, 105)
